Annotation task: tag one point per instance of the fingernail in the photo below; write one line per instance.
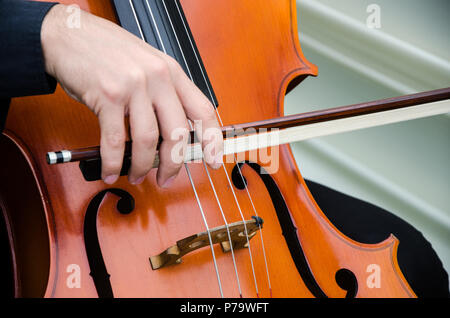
(111, 179)
(138, 181)
(169, 182)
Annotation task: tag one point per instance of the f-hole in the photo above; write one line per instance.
(99, 274)
(347, 281)
(344, 277)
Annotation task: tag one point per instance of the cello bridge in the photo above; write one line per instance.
(219, 235)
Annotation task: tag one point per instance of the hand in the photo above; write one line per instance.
(116, 74)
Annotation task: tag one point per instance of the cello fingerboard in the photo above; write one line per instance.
(163, 25)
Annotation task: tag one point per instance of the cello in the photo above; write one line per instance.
(235, 232)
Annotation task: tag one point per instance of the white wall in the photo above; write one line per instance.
(404, 167)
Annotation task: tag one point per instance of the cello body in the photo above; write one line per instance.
(253, 57)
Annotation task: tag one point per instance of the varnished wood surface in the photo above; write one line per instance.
(252, 53)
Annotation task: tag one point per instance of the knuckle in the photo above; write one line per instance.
(112, 91)
(115, 139)
(161, 70)
(173, 65)
(148, 139)
(136, 76)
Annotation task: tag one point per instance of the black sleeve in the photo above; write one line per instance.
(22, 69)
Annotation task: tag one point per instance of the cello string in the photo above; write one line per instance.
(256, 214)
(223, 165)
(203, 161)
(186, 166)
(156, 26)
(235, 161)
(136, 19)
(229, 182)
(207, 227)
(228, 230)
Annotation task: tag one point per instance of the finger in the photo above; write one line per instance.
(112, 142)
(144, 134)
(175, 134)
(200, 110)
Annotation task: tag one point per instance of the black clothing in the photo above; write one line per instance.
(22, 69)
(22, 72)
(367, 223)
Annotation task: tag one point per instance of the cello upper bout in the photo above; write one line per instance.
(251, 52)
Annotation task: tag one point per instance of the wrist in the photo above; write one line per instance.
(51, 30)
